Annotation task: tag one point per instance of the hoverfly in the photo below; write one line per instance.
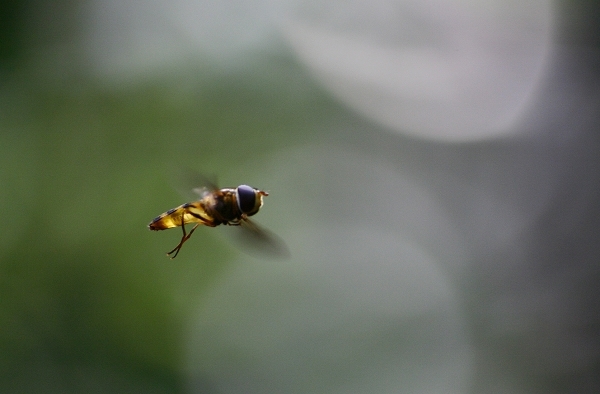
(226, 206)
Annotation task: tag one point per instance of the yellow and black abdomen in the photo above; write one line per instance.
(192, 212)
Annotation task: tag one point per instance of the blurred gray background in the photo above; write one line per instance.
(432, 166)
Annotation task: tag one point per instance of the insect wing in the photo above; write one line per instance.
(191, 184)
(259, 241)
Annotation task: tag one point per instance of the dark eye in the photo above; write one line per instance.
(246, 198)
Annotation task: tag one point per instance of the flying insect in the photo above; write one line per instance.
(228, 206)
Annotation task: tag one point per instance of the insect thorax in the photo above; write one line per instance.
(223, 206)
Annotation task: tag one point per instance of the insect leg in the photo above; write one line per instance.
(184, 238)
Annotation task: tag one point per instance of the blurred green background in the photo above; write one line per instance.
(90, 303)
(86, 290)
(84, 284)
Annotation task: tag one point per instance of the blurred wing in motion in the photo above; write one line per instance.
(192, 184)
(260, 242)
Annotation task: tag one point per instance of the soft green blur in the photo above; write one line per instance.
(87, 291)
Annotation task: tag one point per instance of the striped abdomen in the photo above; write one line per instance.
(192, 212)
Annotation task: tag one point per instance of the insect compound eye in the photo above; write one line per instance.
(246, 199)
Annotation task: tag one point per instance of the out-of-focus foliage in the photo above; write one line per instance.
(87, 291)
